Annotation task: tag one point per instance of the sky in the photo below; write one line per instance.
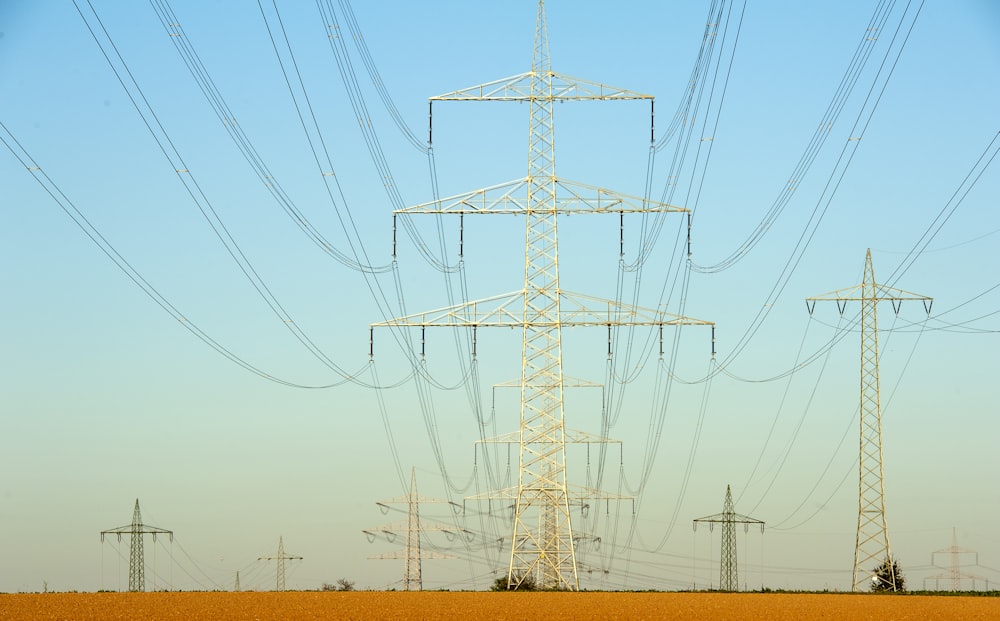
(218, 368)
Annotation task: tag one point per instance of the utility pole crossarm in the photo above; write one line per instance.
(511, 197)
(401, 556)
(144, 529)
(573, 436)
(720, 518)
(577, 495)
(880, 293)
(560, 88)
(506, 311)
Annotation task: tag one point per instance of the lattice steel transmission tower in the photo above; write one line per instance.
(955, 573)
(542, 542)
(729, 576)
(281, 557)
(872, 544)
(136, 562)
(412, 553)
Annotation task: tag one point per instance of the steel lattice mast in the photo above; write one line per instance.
(412, 554)
(955, 574)
(136, 562)
(280, 557)
(729, 577)
(872, 545)
(542, 542)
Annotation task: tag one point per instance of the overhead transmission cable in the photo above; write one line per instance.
(852, 74)
(194, 190)
(228, 119)
(130, 272)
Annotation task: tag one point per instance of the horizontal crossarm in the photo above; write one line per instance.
(857, 293)
(143, 529)
(577, 495)
(506, 311)
(571, 198)
(519, 88)
(721, 518)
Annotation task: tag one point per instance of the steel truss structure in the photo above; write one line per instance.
(136, 562)
(542, 547)
(872, 545)
(729, 576)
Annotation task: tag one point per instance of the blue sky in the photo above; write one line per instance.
(106, 397)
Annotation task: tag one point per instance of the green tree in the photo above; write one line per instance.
(888, 577)
(527, 584)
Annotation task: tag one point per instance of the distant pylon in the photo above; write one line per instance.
(955, 573)
(871, 548)
(281, 557)
(729, 576)
(236, 587)
(136, 563)
(412, 555)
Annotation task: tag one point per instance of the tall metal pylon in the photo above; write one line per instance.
(542, 548)
(136, 562)
(729, 575)
(872, 544)
(281, 557)
(412, 554)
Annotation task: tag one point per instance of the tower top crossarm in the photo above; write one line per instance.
(871, 292)
(563, 88)
(137, 527)
(522, 87)
(728, 515)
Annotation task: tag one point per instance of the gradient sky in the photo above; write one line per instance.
(105, 397)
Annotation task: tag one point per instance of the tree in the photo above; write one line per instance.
(345, 585)
(528, 584)
(888, 577)
(342, 585)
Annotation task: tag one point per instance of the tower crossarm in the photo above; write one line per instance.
(571, 197)
(143, 529)
(519, 88)
(859, 293)
(396, 528)
(573, 436)
(506, 311)
(400, 555)
(576, 494)
(728, 518)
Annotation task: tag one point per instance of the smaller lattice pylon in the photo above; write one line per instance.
(955, 573)
(280, 557)
(136, 562)
(236, 586)
(412, 554)
(871, 548)
(728, 572)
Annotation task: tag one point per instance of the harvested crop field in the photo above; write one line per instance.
(446, 605)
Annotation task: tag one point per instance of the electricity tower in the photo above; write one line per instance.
(542, 547)
(729, 576)
(281, 557)
(872, 544)
(136, 563)
(412, 554)
(955, 573)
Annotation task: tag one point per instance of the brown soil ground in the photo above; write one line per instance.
(446, 605)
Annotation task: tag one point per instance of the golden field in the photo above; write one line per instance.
(291, 605)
